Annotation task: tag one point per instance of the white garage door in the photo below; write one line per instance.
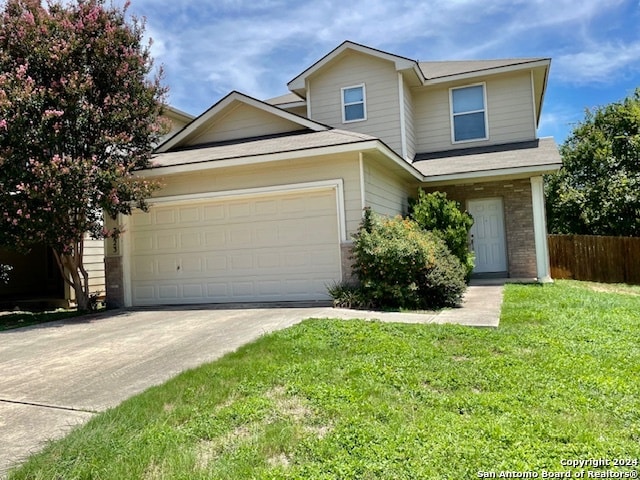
(283, 247)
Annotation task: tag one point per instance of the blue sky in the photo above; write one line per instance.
(208, 48)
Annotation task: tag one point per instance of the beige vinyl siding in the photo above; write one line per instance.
(509, 106)
(344, 166)
(409, 122)
(94, 264)
(385, 193)
(93, 261)
(301, 111)
(382, 103)
(243, 121)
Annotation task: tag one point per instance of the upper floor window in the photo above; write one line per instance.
(353, 104)
(468, 113)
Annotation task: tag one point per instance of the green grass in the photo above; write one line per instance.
(26, 319)
(330, 399)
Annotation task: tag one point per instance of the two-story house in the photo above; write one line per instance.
(261, 199)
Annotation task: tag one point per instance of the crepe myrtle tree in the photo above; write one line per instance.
(80, 111)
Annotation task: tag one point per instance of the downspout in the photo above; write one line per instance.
(363, 203)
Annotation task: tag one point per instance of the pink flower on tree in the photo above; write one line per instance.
(70, 141)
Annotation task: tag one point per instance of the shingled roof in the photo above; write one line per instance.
(251, 147)
(441, 69)
(539, 155)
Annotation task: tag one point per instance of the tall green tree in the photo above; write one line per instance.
(597, 192)
(80, 112)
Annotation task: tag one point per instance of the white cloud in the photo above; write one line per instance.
(210, 48)
(599, 63)
(559, 120)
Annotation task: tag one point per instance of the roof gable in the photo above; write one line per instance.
(238, 116)
(298, 84)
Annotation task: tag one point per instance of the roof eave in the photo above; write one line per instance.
(363, 146)
(488, 175)
(291, 104)
(256, 159)
(489, 71)
(177, 113)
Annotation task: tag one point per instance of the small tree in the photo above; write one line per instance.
(78, 116)
(597, 191)
(435, 213)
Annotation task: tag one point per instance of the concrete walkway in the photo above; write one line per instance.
(57, 375)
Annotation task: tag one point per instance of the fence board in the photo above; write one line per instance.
(595, 258)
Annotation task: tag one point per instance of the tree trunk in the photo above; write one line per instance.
(73, 271)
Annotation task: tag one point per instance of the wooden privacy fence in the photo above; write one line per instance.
(595, 258)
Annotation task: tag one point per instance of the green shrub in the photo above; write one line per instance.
(348, 295)
(433, 212)
(399, 265)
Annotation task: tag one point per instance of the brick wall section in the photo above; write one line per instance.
(347, 262)
(518, 221)
(114, 278)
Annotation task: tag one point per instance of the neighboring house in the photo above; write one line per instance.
(261, 199)
(177, 120)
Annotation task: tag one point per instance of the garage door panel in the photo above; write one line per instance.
(141, 219)
(192, 265)
(240, 210)
(293, 205)
(266, 207)
(240, 263)
(168, 292)
(143, 243)
(269, 287)
(268, 260)
(266, 236)
(214, 239)
(217, 291)
(271, 248)
(164, 216)
(144, 267)
(144, 293)
(241, 235)
(216, 264)
(213, 213)
(242, 290)
(190, 240)
(189, 214)
(193, 291)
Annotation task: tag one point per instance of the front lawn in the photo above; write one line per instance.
(331, 399)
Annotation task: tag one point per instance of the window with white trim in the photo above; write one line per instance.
(468, 113)
(353, 104)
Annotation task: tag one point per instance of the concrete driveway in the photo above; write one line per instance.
(57, 375)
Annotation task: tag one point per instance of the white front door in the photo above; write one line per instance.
(487, 235)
